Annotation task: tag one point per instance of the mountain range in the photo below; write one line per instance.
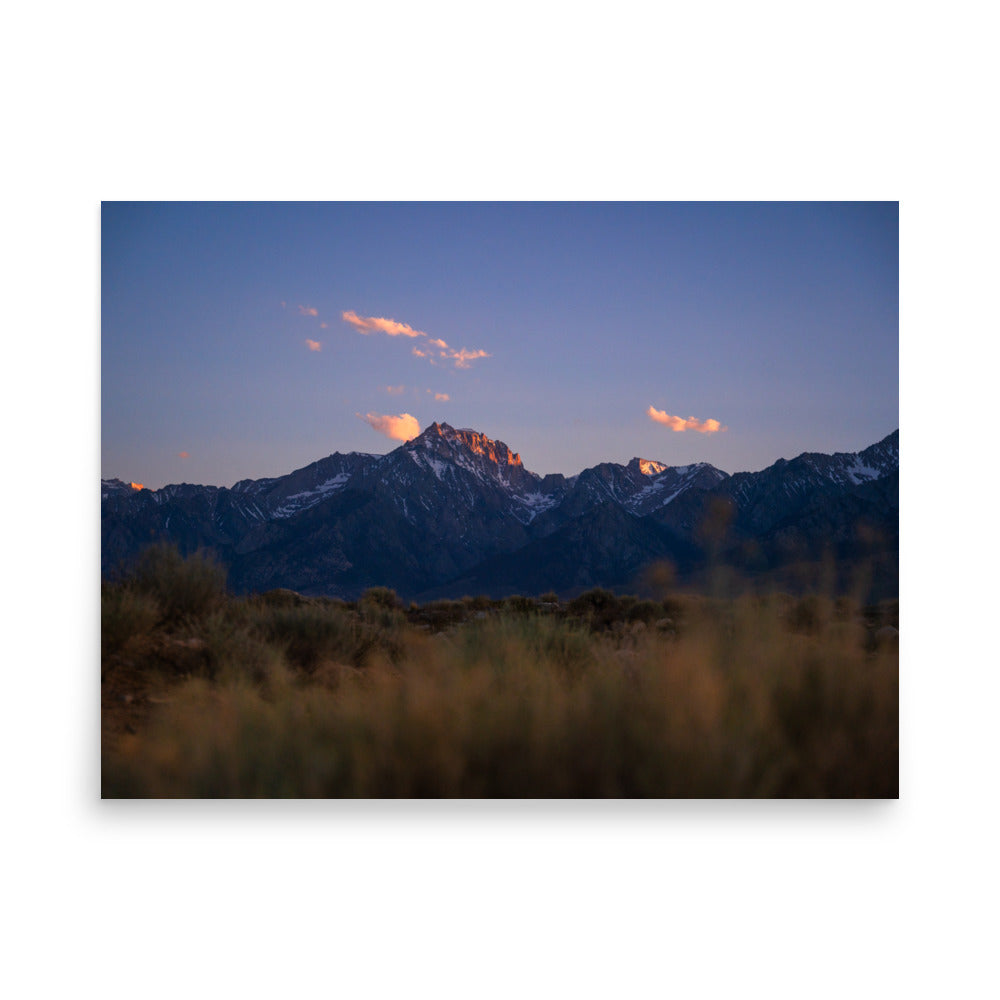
(453, 512)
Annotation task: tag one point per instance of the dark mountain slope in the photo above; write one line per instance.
(607, 546)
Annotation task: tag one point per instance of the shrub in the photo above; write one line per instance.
(281, 597)
(381, 617)
(478, 603)
(518, 605)
(645, 611)
(183, 587)
(231, 651)
(524, 645)
(598, 606)
(559, 644)
(439, 615)
(310, 634)
(674, 606)
(383, 597)
(125, 614)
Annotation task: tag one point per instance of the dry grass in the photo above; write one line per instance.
(740, 698)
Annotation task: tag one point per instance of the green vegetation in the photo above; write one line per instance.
(125, 614)
(181, 587)
(205, 694)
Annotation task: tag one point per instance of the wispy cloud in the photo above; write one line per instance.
(322, 326)
(395, 390)
(366, 324)
(314, 345)
(308, 311)
(440, 397)
(463, 357)
(399, 427)
(680, 424)
(183, 454)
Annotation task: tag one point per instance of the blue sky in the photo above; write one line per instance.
(225, 353)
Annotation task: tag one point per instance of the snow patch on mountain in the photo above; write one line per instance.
(529, 505)
(438, 467)
(297, 502)
(670, 483)
(858, 472)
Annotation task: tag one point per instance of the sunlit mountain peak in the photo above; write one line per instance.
(650, 468)
(474, 441)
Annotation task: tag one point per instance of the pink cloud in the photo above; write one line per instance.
(395, 390)
(314, 345)
(322, 326)
(463, 357)
(680, 424)
(308, 311)
(183, 454)
(440, 397)
(401, 427)
(365, 324)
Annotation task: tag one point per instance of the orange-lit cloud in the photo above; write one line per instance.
(680, 424)
(314, 345)
(136, 486)
(395, 390)
(402, 427)
(308, 311)
(365, 324)
(183, 454)
(463, 357)
(440, 397)
(322, 326)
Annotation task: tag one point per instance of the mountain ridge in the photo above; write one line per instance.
(450, 500)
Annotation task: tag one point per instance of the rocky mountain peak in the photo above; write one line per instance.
(647, 467)
(438, 435)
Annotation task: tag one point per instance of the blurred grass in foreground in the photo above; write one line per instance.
(279, 695)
